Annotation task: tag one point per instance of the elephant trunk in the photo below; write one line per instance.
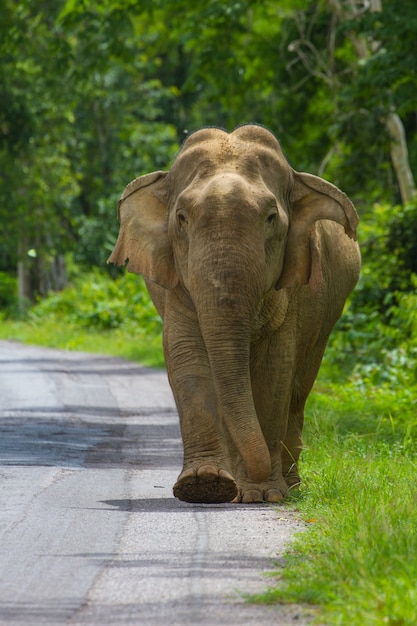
(225, 305)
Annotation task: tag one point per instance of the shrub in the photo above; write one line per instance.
(8, 294)
(376, 338)
(98, 301)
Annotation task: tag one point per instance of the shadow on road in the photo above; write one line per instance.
(85, 365)
(71, 440)
(76, 410)
(168, 505)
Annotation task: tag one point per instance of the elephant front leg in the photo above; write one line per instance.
(205, 476)
(272, 394)
(206, 473)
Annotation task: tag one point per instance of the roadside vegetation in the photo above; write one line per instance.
(95, 94)
(95, 313)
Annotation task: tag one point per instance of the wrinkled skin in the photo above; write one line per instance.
(249, 263)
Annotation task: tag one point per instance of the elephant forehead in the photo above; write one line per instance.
(226, 189)
(210, 151)
(230, 186)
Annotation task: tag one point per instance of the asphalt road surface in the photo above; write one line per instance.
(90, 532)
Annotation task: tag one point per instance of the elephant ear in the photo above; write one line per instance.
(312, 199)
(143, 236)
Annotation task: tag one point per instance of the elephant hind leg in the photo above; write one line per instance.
(293, 443)
(206, 483)
(290, 454)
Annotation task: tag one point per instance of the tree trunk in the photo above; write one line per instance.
(399, 157)
(24, 287)
(36, 276)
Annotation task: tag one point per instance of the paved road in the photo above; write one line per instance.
(89, 530)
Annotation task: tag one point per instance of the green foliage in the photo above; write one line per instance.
(96, 301)
(96, 314)
(37, 182)
(402, 238)
(95, 94)
(388, 77)
(388, 239)
(365, 542)
(8, 295)
(357, 559)
(376, 338)
(373, 348)
(82, 115)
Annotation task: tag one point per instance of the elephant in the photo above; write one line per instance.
(249, 264)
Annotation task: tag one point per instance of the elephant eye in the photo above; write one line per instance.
(271, 218)
(181, 217)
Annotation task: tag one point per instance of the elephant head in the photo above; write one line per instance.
(228, 223)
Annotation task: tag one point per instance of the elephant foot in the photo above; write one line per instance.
(206, 483)
(293, 480)
(256, 494)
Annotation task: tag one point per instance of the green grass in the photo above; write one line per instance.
(357, 560)
(132, 344)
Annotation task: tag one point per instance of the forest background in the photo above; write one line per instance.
(94, 94)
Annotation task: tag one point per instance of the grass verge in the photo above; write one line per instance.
(357, 561)
(133, 345)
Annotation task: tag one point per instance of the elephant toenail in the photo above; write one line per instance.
(207, 471)
(273, 495)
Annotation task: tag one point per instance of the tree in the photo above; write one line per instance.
(36, 185)
(311, 73)
(96, 93)
(367, 47)
(119, 130)
(71, 135)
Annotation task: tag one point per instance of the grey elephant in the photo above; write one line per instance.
(249, 264)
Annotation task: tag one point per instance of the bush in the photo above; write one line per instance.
(402, 236)
(8, 295)
(376, 338)
(98, 301)
(388, 239)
